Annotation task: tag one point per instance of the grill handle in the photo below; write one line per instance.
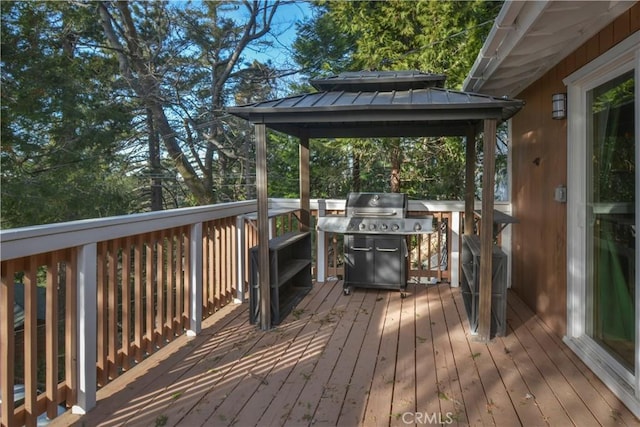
(368, 213)
(386, 249)
(361, 249)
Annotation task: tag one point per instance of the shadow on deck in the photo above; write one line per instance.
(370, 358)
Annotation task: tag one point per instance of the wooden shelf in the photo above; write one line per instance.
(291, 269)
(290, 275)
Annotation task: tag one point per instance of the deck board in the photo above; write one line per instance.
(370, 358)
(447, 386)
(404, 386)
(598, 399)
(473, 394)
(354, 405)
(427, 401)
(378, 409)
(527, 357)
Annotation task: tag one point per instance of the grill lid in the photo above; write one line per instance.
(376, 205)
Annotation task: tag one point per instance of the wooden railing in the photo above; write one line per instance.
(98, 296)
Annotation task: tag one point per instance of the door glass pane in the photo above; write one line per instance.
(612, 192)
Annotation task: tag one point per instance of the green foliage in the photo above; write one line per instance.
(428, 35)
(105, 102)
(432, 36)
(329, 171)
(322, 47)
(61, 129)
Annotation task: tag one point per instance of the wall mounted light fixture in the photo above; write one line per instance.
(559, 106)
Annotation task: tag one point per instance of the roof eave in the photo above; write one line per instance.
(526, 27)
(369, 114)
(508, 29)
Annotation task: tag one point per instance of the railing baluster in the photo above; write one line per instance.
(31, 340)
(102, 367)
(228, 255)
(149, 295)
(158, 325)
(241, 244)
(51, 342)
(211, 266)
(111, 286)
(70, 322)
(138, 299)
(168, 332)
(125, 301)
(217, 257)
(186, 313)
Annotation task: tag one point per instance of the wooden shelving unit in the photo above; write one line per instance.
(290, 275)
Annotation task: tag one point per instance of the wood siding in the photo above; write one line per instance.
(539, 159)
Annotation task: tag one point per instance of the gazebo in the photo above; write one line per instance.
(382, 104)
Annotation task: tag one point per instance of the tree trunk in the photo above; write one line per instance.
(154, 165)
(356, 173)
(396, 163)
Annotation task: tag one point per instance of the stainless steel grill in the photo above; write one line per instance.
(375, 226)
(376, 213)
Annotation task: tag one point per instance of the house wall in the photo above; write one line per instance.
(539, 161)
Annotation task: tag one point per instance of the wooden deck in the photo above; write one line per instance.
(367, 359)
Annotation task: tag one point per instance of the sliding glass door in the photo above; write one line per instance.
(611, 218)
(603, 200)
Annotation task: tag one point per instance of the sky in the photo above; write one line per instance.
(283, 32)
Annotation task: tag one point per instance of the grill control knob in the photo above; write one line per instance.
(372, 226)
(384, 227)
(417, 227)
(395, 227)
(362, 226)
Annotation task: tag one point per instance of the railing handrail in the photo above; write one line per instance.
(26, 241)
(414, 205)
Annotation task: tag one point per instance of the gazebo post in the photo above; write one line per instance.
(486, 230)
(263, 227)
(305, 184)
(470, 190)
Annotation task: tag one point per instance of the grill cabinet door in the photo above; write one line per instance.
(375, 261)
(359, 259)
(388, 260)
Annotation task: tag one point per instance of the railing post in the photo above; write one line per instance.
(321, 259)
(241, 245)
(505, 245)
(87, 328)
(454, 266)
(195, 282)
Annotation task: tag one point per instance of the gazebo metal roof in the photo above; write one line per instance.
(379, 104)
(379, 80)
